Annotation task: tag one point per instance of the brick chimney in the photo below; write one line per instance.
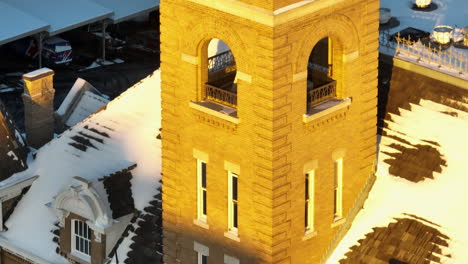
(38, 99)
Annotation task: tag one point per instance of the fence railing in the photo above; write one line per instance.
(221, 96)
(429, 55)
(322, 93)
(221, 61)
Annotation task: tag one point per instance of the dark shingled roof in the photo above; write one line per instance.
(147, 242)
(12, 152)
(119, 192)
(409, 240)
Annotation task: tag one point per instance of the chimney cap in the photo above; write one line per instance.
(37, 74)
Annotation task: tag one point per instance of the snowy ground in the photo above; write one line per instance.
(442, 200)
(132, 122)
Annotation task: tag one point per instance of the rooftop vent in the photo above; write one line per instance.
(422, 3)
(385, 15)
(442, 34)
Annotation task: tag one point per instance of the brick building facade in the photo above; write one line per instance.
(271, 138)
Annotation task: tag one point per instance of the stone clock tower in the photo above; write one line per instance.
(269, 145)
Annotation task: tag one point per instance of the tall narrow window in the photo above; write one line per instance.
(202, 252)
(338, 192)
(202, 259)
(81, 238)
(232, 202)
(201, 190)
(309, 201)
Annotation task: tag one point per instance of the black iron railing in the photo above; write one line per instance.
(221, 96)
(221, 61)
(321, 93)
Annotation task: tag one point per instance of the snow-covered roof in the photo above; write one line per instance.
(123, 134)
(124, 9)
(59, 15)
(81, 101)
(422, 169)
(24, 25)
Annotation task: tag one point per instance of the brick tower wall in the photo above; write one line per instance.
(269, 141)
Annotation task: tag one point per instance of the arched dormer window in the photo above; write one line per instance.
(320, 83)
(220, 74)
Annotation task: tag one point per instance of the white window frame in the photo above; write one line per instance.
(74, 233)
(201, 190)
(232, 202)
(338, 189)
(309, 200)
(202, 251)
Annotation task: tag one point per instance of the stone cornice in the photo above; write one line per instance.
(265, 16)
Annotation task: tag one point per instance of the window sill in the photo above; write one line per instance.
(309, 234)
(201, 223)
(232, 235)
(224, 112)
(322, 109)
(338, 221)
(79, 258)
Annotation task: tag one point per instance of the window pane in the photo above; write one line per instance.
(81, 245)
(234, 188)
(235, 215)
(204, 202)
(203, 174)
(77, 243)
(204, 259)
(307, 187)
(76, 227)
(85, 249)
(306, 214)
(80, 228)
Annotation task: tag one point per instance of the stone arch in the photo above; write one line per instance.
(339, 28)
(208, 29)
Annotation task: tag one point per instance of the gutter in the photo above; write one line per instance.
(28, 256)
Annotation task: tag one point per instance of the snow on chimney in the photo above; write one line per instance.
(38, 99)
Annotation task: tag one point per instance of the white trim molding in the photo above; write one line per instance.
(82, 199)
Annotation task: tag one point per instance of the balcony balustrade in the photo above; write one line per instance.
(321, 93)
(221, 96)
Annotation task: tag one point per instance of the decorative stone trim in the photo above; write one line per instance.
(230, 260)
(332, 117)
(232, 235)
(244, 76)
(338, 222)
(200, 248)
(189, 58)
(310, 166)
(343, 104)
(214, 113)
(232, 167)
(352, 56)
(214, 118)
(300, 76)
(201, 155)
(201, 223)
(309, 234)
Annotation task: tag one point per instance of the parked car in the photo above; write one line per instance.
(55, 50)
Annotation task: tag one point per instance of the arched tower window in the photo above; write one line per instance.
(320, 83)
(221, 81)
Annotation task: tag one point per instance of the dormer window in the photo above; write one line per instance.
(81, 239)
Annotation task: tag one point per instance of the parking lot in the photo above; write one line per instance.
(132, 55)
